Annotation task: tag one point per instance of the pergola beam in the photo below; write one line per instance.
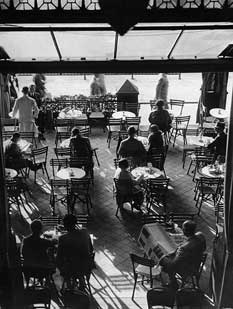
(119, 67)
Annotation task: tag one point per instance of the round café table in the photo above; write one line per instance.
(71, 172)
(71, 114)
(197, 141)
(10, 173)
(219, 113)
(122, 114)
(210, 171)
(147, 172)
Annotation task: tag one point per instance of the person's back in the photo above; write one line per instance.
(161, 118)
(80, 147)
(155, 139)
(131, 147)
(25, 108)
(75, 249)
(124, 181)
(35, 249)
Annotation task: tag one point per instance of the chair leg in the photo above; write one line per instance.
(135, 282)
(45, 168)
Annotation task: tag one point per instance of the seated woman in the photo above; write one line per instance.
(13, 155)
(161, 117)
(128, 185)
(81, 147)
(131, 147)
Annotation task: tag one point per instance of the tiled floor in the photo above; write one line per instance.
(115, 238)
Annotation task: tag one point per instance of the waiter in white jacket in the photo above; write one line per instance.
(26, 110)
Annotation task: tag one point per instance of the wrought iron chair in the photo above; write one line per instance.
(85, 163)
(132, 107)
(60, 136)
(160, 296)
(179, 127)
(62, 152)
(58, 163)
(177, 104)
(39, 159)
(157, 161)
(114, 126)
(59, 193)
(144, 268)
(122, 198)
(207, 189)
(200, 157)
(133, 121)
(154, 218)
(62, 125)
(10, 124)
(30, 136)
(179, 218)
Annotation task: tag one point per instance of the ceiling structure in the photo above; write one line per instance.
(72, 36)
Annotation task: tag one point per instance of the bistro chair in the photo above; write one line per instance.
(160, 296)
(83, 163)
(114, 126)
(58, 164)
(62, 125)
(15, 194)
(133, 121)
(196, 156)
(10, 124)
(177, 105)
(85, 132)
(132, 107)
(179, 218)
(156, 193)
(157, 161)
(189, 298)
(59, 193)
(179, 128)
(62, 152)
(57, 222)
(38, 296)
(60, 136)
(79, 191)
(153, 104)
(122, 134)
(144, 269)
(39, 159)
(188, 149)
(7, 134)
(29, 136)
(207, 189)
(194, 277)
(121, 198)
(154, 218)
(75, 299)
(81, 123)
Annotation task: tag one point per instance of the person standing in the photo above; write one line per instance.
(160, 117)
(162, 89)
(26, 109)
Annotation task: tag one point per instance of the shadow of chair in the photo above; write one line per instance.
(144, 269)
(59, 193)
(79, 191)
(160, 296)
(179, 128)
(39, 159)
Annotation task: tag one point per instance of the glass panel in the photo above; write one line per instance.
(202, 43)
(28, 45)
(91, 45)
(146, 44)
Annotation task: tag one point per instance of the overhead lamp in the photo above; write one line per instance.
(123, 14)
(227, 52)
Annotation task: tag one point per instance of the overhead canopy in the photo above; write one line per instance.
(142, 46)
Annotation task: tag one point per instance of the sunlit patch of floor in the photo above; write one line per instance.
(45, 187)
(102, 174)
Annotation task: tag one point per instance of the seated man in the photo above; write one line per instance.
(161, 117)
(75, 252)
(218, 146)
(128, 185)
(13, 155)
(35, 253)
(155, 139)
(131, 147)
(187, 257)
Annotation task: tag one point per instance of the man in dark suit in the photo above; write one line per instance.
(218, 146)
(74, 253)
(187, 257)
